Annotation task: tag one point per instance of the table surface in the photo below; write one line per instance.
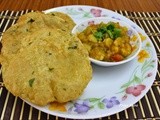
(129, 5)
(147, 108)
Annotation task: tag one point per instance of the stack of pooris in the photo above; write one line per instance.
(42, 61)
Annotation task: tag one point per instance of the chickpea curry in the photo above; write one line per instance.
(107, 41)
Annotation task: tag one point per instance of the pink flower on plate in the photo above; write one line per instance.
(135, 90)
(96, 12)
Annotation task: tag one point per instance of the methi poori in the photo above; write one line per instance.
(42, 61)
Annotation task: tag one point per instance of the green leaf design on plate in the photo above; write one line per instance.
(72, 11)
(140, 73)
(137, 79)
(126, 84)
(94, 99)
(101, 105)
(87, 15)
(84, 14)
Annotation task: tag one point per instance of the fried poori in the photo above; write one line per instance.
(42, 61)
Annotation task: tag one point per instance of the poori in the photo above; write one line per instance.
(42, 61)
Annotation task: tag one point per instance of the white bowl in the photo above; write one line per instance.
(82, 26)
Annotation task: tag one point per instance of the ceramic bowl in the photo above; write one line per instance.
(131, 32)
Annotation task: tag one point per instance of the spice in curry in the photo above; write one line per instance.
(107, 41)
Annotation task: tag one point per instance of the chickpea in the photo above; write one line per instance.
(92, 38)
(118, 42)
(126, 39)
(108, 42)
(108, 56)
(82, 37)
(114, 49)
(87, 46)
(97, 53)
(126, 50)
(88, 31)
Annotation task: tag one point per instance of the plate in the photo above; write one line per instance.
(112, 89)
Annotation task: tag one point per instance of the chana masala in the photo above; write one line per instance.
(107, 41)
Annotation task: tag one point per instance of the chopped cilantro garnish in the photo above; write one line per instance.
(117, 33)
(110, 33)
(109, 29)
(102, 29)
(31, 81)
(98, 35)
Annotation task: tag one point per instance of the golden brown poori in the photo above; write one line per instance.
(42, 61)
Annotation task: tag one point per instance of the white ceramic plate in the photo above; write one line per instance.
(112, 89)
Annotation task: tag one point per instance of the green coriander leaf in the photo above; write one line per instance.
(51, 69)
(98, 35)
(73, 47)
(110, 27)
(110, 34)
(31, 21)
(31, 81)
(117, 33)
(102, 29)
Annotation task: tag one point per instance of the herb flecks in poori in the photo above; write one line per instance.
(42, 62)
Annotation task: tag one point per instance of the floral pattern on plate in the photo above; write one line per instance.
(83, 106)
(85, 14)
(111, 89)
(133, 87)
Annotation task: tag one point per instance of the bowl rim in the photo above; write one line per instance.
(101, 19)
